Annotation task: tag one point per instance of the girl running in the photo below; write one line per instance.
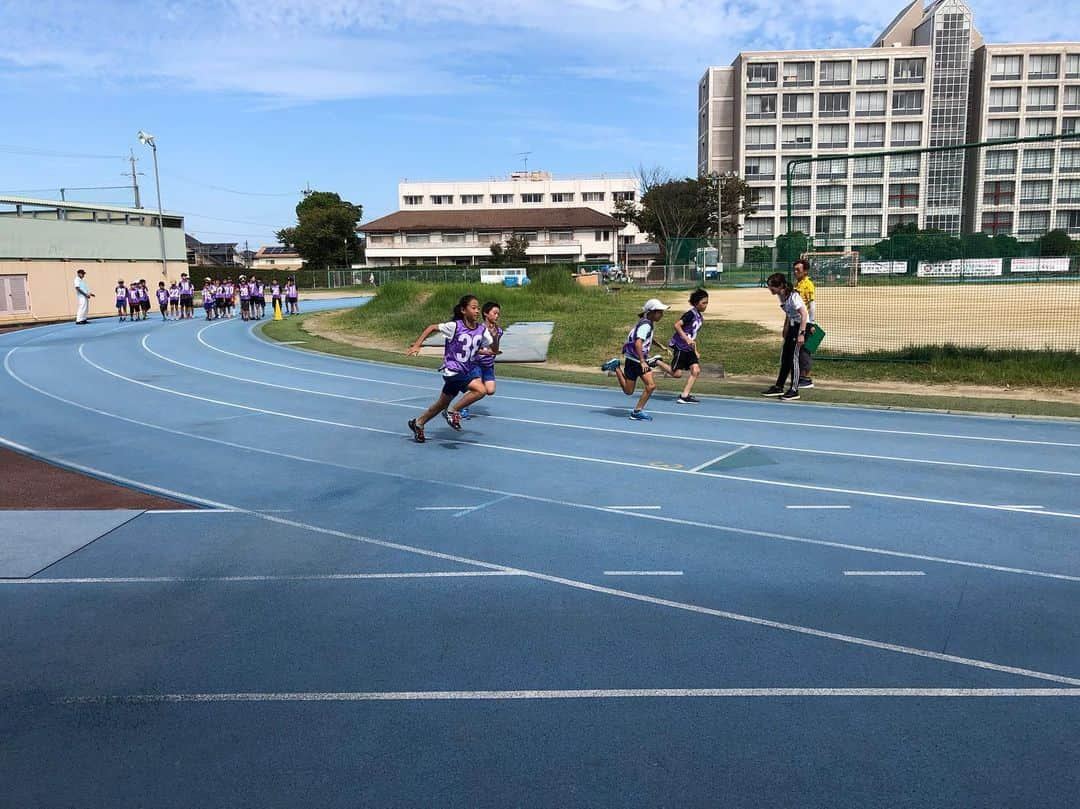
(637, 360)
(466, 337)
(486, 362)
(121, 299)
(684, 345)
(795, 322)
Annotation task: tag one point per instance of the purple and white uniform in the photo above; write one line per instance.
(208, 296)
(462, 343)
(121, 296)
(642, 331)
(133, 296)
(162, 296)
(488, 360)
(174, 294)
(691, 324)
(245, 291)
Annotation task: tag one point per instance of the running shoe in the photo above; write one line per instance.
(465, 413)
(806, 382)
(775, 390)
(453, 418)
(639, 415)
(653, 361)
(417, 431)
(610, 365)
(790, 395)
(689, 399)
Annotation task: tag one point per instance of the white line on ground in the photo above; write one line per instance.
(643, 572)
(821, 508)
(232, 579)
(573, 583)
(719, 458)
(884, 573)
(593, 693)
(471, 509)
(1036, 508)
(565, 456)
(527, 497)
(441, 508)
(634, 508)
(191, 511)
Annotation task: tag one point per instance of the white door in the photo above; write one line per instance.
(14, 296)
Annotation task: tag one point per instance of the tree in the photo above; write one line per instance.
(759, 255)
(1054, 243)
(513, 252)
(325, 230)
(790, 246)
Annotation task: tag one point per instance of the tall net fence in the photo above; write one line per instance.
(906, 256)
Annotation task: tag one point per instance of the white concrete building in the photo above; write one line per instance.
(925, 81)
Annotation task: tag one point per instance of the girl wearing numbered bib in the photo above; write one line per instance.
(466, 339)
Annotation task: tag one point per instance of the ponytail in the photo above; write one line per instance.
(459, 309)
(779, 280)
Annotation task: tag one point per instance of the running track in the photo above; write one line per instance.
(743, 603)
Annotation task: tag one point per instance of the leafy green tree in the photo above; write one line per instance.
(513, 252)
(759, 255)
(325, 231)
(790, 246)
(1054, 243)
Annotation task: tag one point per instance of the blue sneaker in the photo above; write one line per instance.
(610, 365)
(639, 415)
(465, 413)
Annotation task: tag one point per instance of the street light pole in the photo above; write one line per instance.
(147, 139)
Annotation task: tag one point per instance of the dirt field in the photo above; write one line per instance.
(1004, 316)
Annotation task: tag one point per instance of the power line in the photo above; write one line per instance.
(182, 179)
(28, 150)
(233, 221)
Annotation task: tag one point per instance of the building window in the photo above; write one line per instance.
(997, 222)
(532, 198)
(798, 74)
(872, 71)
(1003, 129)
(592, 196)
(909, 70)
(764, 199)
(832, 73)
(901, 219)
(1000, 162)
(830, 226)
(1072, 66)
(1034, 223)
(1070, 126)
(834, 105)
(800, 197)
(623, 196)
(602, 236)
(867, 196)
(869, 135)
(800, 171)
(442, 199)
(831, 196)
(564, 196)
(903, 195)
(1038, 161)
(798, 105)
(869, 104)
(907, 102)
(1072, 98)
(413, 200)
(1039, 127)
(1005, 68)
(489, 237)
(797, 134)
(562, 236)
(502, 199)
(832, 136)
(1070, 160)
(866, 226)
(907, 133)
(999, 192)
(761, 75)
(529, 236)
(833, 169)
(1043, 66)
(417, 238)
(869, 166)
(758, 228)
(761, 137)
(1035, 191)
(472, 199)
(904, 165)
(760, 168)
(1004, 99)
(453, 238)
(380, 238)
(1041, 98)
(761, 106)
(1069, 220)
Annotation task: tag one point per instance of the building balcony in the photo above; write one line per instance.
(760, 147)
(868, 234)
(869, 144)
(835, 83)
(1043, 76)
(1003, 202)
(870, 113)
(868, 175)
(1000, 171)
(908, 79)
(834, 114)
(1010, 108)
(907, 111)
(1042, 107)
(754, 178)
(836, 145)
(757, 237)
(764, 206)
(788, 114)
(761, 116)
(1038, 170)
(1005, 77)
(796, 144)
(864, 206)
(831, 206)
(906, 143)
(903, 172)
(864, 82)
(798, 82)
(1038, 201)
(759, 83)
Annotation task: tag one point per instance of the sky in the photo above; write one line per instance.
(251, 101)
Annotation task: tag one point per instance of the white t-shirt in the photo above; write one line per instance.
(792, 306)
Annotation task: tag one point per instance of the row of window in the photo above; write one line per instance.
(764, 168)
(1003, 192)
(801, 105)
(835, 72)
(489, 237)
(508, 199)
(1029, 223)
(1007, 99)
(832, 136)
(901, 195)
(1034, 161)
(1008, 128)
(1039, 66)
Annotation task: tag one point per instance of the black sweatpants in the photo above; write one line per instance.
(789, 366)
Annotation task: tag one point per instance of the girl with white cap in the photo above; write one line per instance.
(636, 360)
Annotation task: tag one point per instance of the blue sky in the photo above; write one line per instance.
(264, 96)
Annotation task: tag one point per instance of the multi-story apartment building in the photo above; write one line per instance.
(927, 80)
(563, 219)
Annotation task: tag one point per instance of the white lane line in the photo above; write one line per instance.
(293, 342)
(1035, 508)
(470, 509)
(538, 499)
(566, 456)
(583, 693)
(719, 458)
(633, 508)
(643, 572)
(751, 620)
(676, 413)
(441, 508)
(233, 579)
(819, 508)
(884, 573)
(191, 511)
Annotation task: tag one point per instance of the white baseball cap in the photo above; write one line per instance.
(654, 305)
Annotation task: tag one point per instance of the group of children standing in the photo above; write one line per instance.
(219, 298)
(175, 302)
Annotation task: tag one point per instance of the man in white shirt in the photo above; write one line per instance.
(83, 296)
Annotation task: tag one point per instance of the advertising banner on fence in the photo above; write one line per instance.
(882, 267)
(958, 267)
(1039, 265)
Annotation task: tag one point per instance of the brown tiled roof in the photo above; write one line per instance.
(513, 219)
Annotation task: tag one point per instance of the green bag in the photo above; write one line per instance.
(815, 338)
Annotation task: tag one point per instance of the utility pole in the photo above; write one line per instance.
(306, 191)
(134, 179)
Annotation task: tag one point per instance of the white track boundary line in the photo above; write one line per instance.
(751, 620)
(884, 573)
(719, 458)
(262, 579)
(679, 413)
(583, 693)
(643, 572)
(548, 500)
(817, 508)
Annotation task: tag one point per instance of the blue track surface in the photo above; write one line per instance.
(356, 619)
